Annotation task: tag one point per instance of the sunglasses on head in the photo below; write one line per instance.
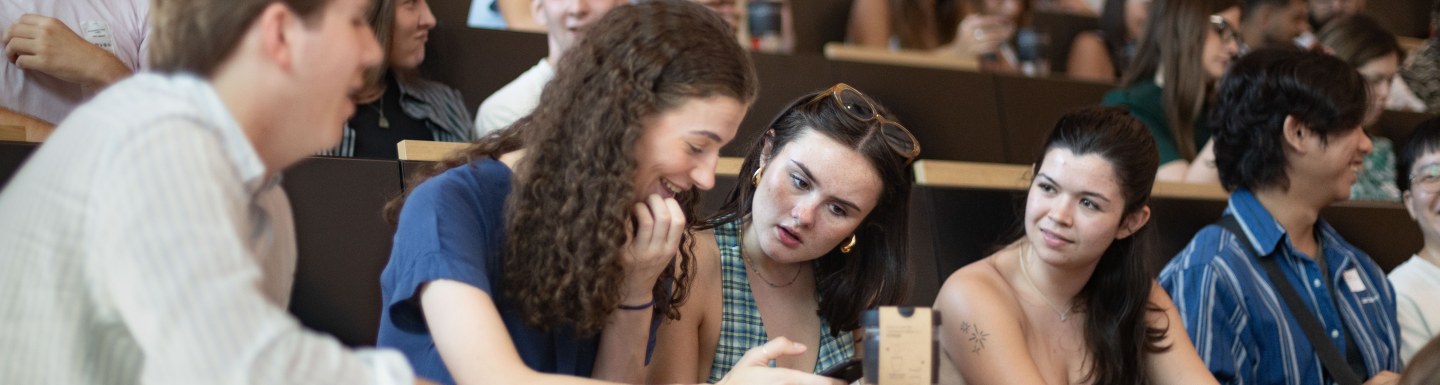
(860, 107)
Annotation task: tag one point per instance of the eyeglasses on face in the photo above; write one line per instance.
(860, 107)
(1228, 33)
(1426, 178)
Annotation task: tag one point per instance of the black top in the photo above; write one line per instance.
(374, 141)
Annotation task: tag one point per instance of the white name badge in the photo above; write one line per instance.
(98, 33)
(1352, 279)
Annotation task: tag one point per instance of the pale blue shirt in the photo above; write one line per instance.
(144, 243)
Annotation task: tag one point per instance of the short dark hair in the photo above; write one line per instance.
(1260, 91)
(1423, 140)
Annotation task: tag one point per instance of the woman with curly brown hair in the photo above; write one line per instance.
(550, 248)
(800, 249)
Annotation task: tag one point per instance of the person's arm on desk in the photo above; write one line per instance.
(10, 117)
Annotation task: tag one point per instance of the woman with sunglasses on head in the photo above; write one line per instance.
(812, 235)
(1187, 46)
(1072, 300)
(546, 252)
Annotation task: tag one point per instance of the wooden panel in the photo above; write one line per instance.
(1397, 125)
(817, 22)
(343, 243)
(1061, 27)
(902, 57)
(425, 150)
(783, 78)
(1029, 108)
(450, 12)
(480, 61)
(1382, 229)
(952, 113)
(12, 156)
(954, 227)
(1402, 17)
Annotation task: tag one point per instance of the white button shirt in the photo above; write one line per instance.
(143, 243)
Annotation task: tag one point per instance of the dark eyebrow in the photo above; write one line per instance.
(811, 177)
(1083, 193)
(713, 136)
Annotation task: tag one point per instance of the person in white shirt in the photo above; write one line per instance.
(61, 53)
(1417, 173)
(148, 240)
(565, 23)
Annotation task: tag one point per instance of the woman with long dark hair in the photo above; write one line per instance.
(1186, 48)
(1073, 300)
(550, 249)
(810, 238)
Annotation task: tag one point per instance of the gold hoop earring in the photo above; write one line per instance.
(755, 179)
(848, 246)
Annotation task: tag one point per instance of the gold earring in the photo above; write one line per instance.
(755, 180)
(848, 246)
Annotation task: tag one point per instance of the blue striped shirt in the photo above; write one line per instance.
(1239, 323)
(440, 107)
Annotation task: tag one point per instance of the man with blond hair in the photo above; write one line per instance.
(148, 240)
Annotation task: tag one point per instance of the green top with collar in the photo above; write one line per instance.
(1146, 105)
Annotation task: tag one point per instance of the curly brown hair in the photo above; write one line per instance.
(568, 216)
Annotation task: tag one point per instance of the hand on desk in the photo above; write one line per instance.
(47, 45)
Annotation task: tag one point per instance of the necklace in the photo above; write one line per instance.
(755, 268)
(384, 123)
(1064, 315)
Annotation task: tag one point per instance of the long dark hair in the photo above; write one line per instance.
(875, 272)
(567, 216)
(1174, 44)
(1117, 296)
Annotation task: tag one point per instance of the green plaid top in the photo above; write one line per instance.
(740, 325)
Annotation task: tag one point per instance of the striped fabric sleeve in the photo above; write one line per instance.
(1212, 311)
(183, 281)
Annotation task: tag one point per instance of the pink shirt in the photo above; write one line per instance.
(117, 25)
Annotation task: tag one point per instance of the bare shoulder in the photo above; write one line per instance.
(707, 256)
(706, 273)
(978, 288)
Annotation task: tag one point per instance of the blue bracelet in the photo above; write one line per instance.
(644, 306)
